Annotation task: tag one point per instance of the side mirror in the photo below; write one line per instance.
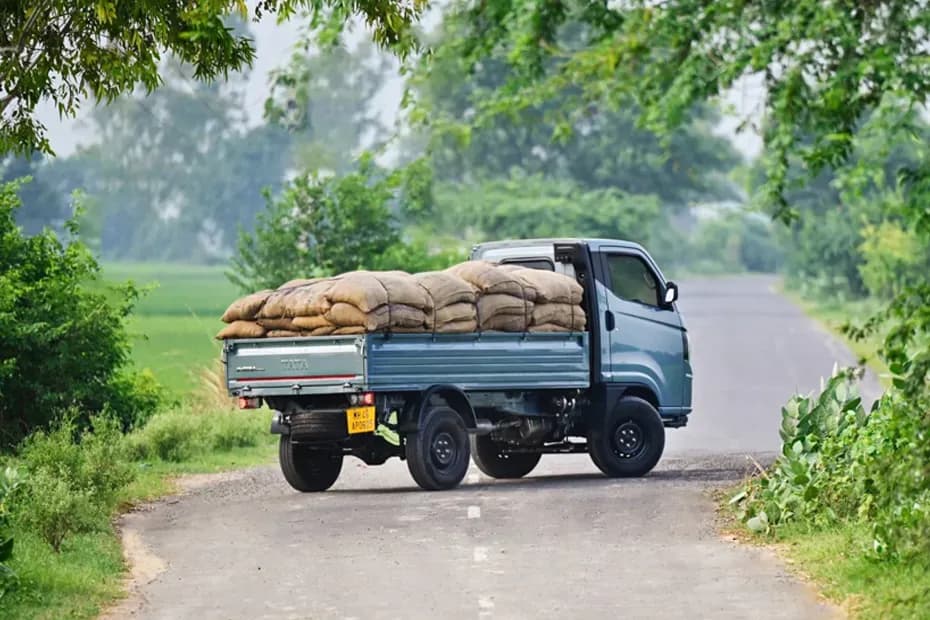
(671, 293)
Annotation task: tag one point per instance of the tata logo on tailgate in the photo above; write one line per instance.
(295, 364)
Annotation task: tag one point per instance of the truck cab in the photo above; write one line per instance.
(639, 340)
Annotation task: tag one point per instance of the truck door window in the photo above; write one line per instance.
(631, 279)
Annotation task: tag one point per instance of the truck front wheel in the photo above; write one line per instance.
(437, 454)
(308, 470)
(629, 441)
(491, 460)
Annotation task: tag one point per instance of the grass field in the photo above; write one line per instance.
(174, 323)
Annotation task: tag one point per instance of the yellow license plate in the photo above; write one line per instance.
(360, 419)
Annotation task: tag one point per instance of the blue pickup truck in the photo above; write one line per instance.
(501, 399)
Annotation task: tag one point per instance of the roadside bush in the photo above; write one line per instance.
(10, 481)
(185, 433)
(173, 436)
(237, 429)
(841, 464)
(74, 478)
(65, 338)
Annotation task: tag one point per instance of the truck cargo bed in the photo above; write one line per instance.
(406, 362)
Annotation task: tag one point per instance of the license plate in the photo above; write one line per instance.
(360, 419)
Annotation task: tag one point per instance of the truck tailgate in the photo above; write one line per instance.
(294, 365)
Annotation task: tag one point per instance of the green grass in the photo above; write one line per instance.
(836, 560)
(87, 575)
(72, 584)
(174, 324)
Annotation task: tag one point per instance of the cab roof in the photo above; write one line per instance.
(593, 244)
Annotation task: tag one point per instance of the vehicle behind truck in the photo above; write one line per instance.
(501, 399)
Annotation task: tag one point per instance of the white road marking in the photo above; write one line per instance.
(474, 512)
(485, 603)
(481, 554)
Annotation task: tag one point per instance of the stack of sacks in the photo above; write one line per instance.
(472, 296)
(505, 302)
(241, 314)
(558, 299)
(454, 310)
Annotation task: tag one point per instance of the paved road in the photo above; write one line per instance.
(564, 542)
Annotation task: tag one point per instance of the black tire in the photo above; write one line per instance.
(486, 453)
(437, 454)
(629, 441)
(308, 470)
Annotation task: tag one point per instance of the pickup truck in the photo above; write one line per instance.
(501, 399)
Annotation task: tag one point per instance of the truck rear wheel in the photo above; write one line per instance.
(490, 459)
(629, 441)
(308, 470)
(437, 455)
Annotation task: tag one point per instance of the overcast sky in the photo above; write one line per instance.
(273, 47)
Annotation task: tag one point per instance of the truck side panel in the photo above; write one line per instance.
(488, 361)
(407, 362)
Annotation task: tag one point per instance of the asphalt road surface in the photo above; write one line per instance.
(562, 543)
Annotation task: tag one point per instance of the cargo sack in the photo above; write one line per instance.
(388, 316)
(368, 290)
(505, 323)
(549, 328)
(343, 331)
(283, 333)
(246, 308)
(241, 329)
(445, 288)
(309, 323)
(550, 287)
(453, 313)
(270, 324)
(323, 331)
(494, 305)
(489, 279)
(306, 300)
(457, 327)
(566, 315)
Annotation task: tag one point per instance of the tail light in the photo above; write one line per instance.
(686, 346)
(365, 398)
(246, 402)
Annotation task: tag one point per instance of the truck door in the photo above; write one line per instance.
(642, 342)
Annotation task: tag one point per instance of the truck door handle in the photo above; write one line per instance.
(609, 321)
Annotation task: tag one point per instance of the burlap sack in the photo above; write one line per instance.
(323, 331)
(548, 328)
(283, 333)
(566, 315)
(270, 324)
(383, 317)
(457, 327)
(454, 312)
(445, 288)
(298, 282)
(495, 305)
(550, 287)
(505, 323)
(241, 329)
(488, 279)
(307, 300)
(367, 290)
(309, 323)
(246, 308)
(344, 331)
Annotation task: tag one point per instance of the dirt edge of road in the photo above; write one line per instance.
(731, 531)
(142, 565)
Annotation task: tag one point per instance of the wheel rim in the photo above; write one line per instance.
(443, 449)
(628, 440)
